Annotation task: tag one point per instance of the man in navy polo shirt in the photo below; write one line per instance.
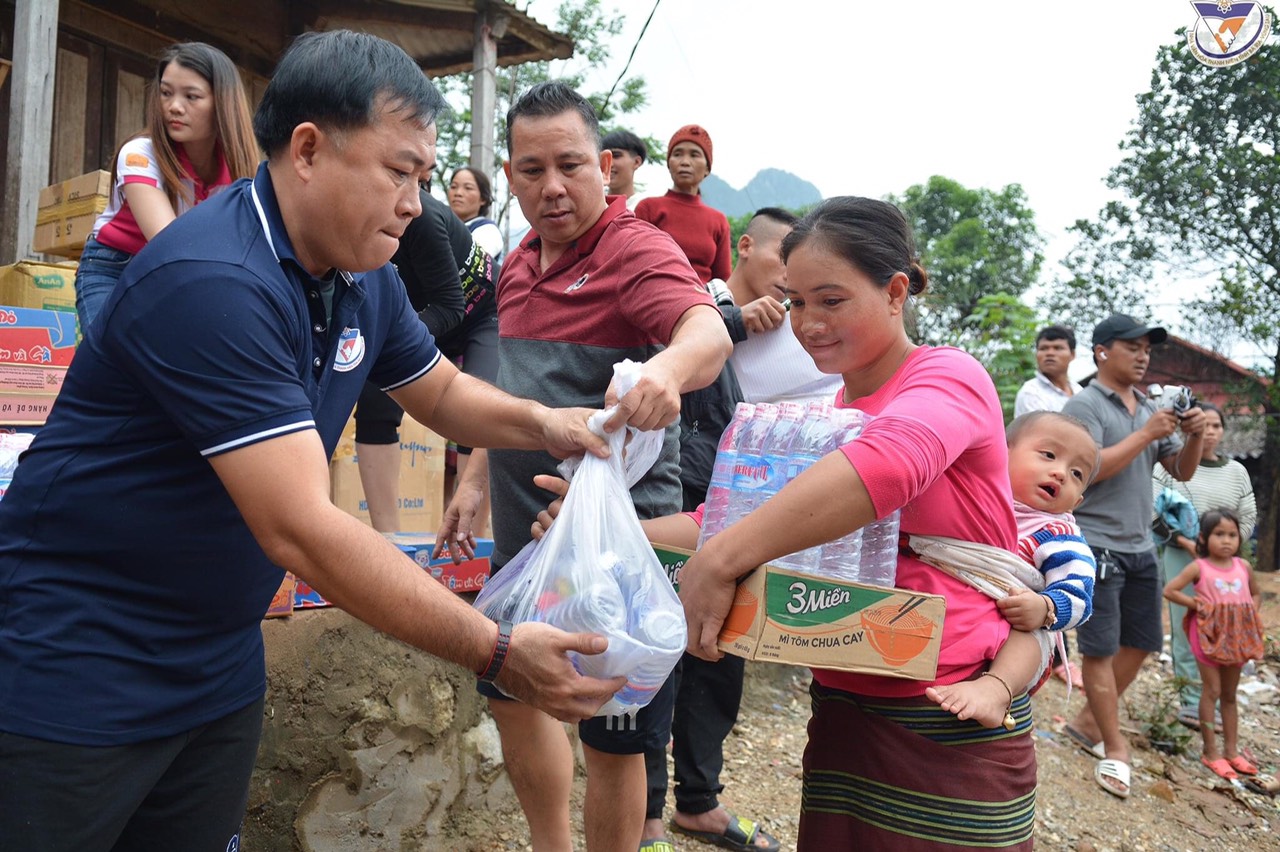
(185, 464)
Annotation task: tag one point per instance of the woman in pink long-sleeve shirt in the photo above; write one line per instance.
(885, 768)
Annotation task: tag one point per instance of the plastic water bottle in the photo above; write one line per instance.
(879, 562)
(749, 471)
(841, 559)
(657, 628)
(765, 478)
(815, 439)
(778, 446)
(721, 486)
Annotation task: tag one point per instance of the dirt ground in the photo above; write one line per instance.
(1176, 804)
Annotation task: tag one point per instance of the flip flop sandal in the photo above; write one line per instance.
(740, 835)
(1220, 767)
(1241, 764)
(1109, 770)
(660, 844)
(1086, 745)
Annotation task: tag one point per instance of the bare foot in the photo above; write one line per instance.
(984, 700)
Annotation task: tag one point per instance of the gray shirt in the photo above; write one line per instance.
(1116, 512)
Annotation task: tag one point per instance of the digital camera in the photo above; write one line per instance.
(1177, 398)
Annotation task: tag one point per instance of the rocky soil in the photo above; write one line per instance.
(1176, 804)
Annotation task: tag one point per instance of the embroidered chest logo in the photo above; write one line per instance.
(350, 350)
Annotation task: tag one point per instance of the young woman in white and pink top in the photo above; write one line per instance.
(199, 138)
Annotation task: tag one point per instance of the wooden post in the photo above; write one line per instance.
(484, 89)
(35, 56)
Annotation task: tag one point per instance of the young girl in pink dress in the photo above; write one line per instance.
(1224, 630)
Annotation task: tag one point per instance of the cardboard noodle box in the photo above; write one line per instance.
(25, 409)
(784, 616)
(33, 378)
(35, 336)
(282, 601)
(470, 576)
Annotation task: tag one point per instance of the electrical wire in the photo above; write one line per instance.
(604, 105)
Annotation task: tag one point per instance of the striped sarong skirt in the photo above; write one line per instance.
(903, 774)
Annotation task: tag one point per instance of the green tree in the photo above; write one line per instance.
(738, 226)
(1201, 184)
(1001, 333)
(592, 29)
(974, 243)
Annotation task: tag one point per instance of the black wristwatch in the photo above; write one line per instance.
(499, 653)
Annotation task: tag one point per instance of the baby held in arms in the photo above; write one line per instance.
(1052, 459)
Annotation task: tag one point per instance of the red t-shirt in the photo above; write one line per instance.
(702, 232)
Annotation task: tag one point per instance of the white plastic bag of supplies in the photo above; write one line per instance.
(595, 572)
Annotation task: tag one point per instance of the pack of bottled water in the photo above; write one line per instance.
(766, 446)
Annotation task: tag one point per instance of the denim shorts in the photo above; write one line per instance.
(1126, 605)
(100, 268)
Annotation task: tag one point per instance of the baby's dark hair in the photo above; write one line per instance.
(1024, 422)
(1209, 523)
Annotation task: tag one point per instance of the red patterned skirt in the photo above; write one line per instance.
(901, 775)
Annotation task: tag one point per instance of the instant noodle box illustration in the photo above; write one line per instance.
(785, 616)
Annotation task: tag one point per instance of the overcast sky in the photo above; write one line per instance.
(869, 98)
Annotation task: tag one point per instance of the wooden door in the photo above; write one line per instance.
(99, 101)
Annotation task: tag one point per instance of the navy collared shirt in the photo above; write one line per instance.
(130, 587)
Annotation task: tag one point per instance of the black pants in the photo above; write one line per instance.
(187, 791)
(707, 700)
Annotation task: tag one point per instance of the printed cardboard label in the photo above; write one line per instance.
(784, 616)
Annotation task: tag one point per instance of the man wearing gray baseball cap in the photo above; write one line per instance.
(1116, 519)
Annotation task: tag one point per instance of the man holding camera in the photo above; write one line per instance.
(1134, 432)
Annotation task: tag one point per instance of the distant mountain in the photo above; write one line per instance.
(769, 188)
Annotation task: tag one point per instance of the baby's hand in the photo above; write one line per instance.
(1025, 610)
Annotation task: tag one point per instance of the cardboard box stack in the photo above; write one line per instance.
(421, 476)
(421, 505)
(67, 211)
